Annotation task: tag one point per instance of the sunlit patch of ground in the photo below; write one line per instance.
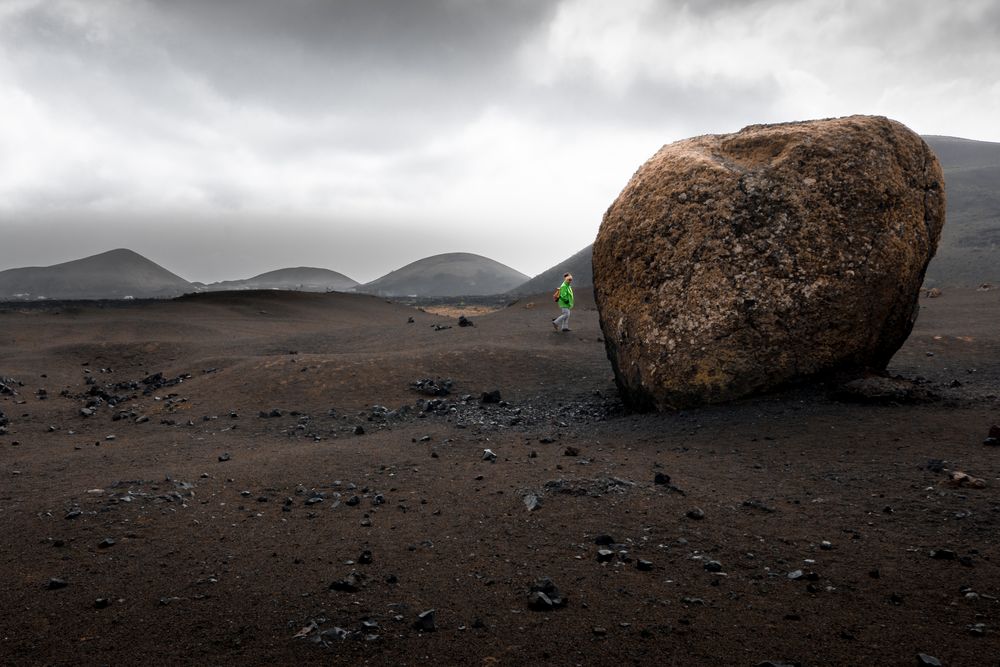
(455, 310)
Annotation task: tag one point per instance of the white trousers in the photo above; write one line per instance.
(563, 320)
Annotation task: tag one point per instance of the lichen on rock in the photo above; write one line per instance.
(732, 264)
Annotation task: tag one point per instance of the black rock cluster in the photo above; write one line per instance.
(431, 387)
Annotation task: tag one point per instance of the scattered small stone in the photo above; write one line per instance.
(753, 503)
(490, 396)
(544, 596)
(977, 629)
(359, 430)
(224, 457)
(431, 387)
(599, 631)
(943, 554)
(605, 555)
(644, 565)
(532, 502)
(965, 480)
(365, 558)
(604, 540)
(661, 478)
(463, 321)
(101, 603)
(571, 451)
(796, 574)
(924, 660)
(352, 583)
(825, 545)
(713, 566)
(73, 513)
(425, 621)
(55, 584)
(489, 455)
(695, 513)
(106, 542)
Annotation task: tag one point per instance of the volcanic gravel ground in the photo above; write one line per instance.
(256, 479)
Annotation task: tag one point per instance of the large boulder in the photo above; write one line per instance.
(731, 264)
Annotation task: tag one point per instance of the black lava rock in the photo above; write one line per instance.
(490, 396)
(224, 457)
(425, 621)
(713, 566)
(463, 321)
(604, 540)
(105, 543)
(55, 584)
(924, 660)
(430, 387)
(352, 583)
(544, 596)
(695, 513)
(661, 478)
(359, 430)
(644, 565)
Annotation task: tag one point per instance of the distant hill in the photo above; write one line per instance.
(115, 274)
(451, 274)
(969, 251)
(546, 281)
(301, 279)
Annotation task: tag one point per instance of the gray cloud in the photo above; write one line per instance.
(310, 127)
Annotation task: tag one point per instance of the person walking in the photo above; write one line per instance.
(564, 298)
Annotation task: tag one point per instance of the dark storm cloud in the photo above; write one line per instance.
(403, 58)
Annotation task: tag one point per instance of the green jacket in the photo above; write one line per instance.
(565, 295)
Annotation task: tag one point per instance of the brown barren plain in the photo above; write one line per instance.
(226, 561)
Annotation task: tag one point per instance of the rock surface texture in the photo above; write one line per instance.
(731, 264)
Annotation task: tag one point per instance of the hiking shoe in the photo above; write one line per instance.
(555, 326)
(566, 329)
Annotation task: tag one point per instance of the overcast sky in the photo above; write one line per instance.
(224, 138)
